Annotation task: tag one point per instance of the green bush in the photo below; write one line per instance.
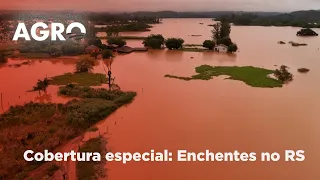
(41, 85)
(232, 48)
(106, 54)
(117, 41)
(174, 43)
(283, 74)
(94, 41)
(154, 41)
(225, 40)
(209, 44)
(84, 65)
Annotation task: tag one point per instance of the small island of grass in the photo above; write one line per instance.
(81, 79)
(252, 76)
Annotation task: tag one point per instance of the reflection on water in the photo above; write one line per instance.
(220, 115)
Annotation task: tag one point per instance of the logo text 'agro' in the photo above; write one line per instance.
(56, 31)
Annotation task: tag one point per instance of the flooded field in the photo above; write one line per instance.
(220, 115)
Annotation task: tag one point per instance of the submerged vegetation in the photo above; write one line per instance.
(101, 93)
(306, 32)
(155, 41)
(252, 76)
(87, 170)
(42, 85)
(232, 48)
(209, 44)
(221, 35)
(39, 126)
(84, 65)
(283, 74)
(174, 43)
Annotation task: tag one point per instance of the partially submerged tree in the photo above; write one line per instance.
(232, 48)
(283, 74)
(155, 41)
(209, 44)
(174, 43)
(306, 32)
(225, 40)
(216, 32)
(42, 85)
(221, 32)
(225, 29)
(84, 65)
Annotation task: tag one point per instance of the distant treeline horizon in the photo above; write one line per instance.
(304, 18)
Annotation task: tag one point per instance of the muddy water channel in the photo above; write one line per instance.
(220, 115)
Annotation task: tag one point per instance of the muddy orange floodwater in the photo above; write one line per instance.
(219, 115)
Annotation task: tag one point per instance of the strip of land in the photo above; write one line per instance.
(90, 169)
(40, 126)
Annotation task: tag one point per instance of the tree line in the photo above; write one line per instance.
(305, 19)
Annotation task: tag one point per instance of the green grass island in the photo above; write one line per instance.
(252, 76)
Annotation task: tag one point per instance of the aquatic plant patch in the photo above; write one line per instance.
(252, 76)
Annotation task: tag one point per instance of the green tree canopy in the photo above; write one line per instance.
(232, 48)
(221, 30)
(154, 41)
(174, 43)
(209, 44)
(225, 40)
(106, 54)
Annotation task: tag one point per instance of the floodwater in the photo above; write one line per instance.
(219, 115)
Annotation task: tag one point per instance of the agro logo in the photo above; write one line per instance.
(56, 31)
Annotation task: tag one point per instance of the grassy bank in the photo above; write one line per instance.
(192, 45)
(252, 76)
(82, 79)
(87, 170)
(39, 126)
